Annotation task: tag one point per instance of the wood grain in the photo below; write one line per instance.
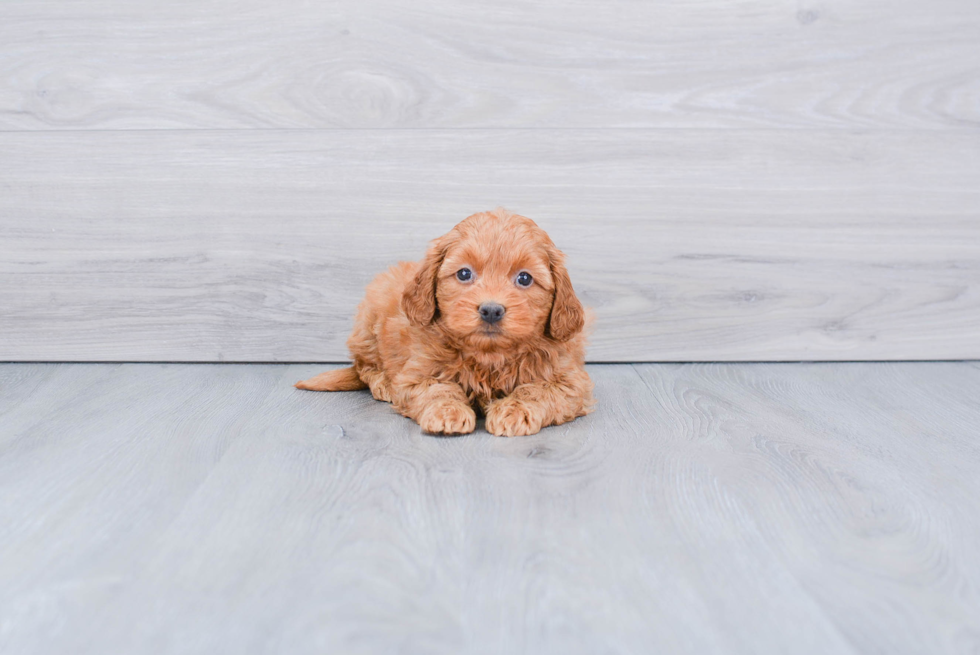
(765, 508)
(107, 64)
(690, 245)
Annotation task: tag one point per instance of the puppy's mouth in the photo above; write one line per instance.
(491, 331)
(487, 338)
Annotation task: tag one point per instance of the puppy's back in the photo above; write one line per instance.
(380, 323)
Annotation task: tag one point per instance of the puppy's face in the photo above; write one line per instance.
(496, 279)
(494, 289)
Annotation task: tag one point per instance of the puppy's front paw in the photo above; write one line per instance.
(448, 417)
(510, 417)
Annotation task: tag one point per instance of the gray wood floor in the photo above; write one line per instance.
(721, 508)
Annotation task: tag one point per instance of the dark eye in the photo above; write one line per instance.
(464, 275)
(524, 279)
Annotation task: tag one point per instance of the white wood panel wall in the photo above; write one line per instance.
(748, 180)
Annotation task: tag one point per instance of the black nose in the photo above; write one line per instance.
(491, 312)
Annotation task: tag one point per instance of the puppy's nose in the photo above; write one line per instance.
(491, 312)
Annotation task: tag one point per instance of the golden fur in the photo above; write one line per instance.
(419, 341)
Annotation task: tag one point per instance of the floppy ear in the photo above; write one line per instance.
(419, 299)
(567, 316)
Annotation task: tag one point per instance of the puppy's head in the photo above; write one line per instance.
(494, 280)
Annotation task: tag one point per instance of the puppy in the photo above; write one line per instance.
(487, 322)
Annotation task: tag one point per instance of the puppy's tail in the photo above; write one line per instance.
(342, 379)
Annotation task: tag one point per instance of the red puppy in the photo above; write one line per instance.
(487, 321)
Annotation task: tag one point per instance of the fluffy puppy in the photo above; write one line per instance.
(487, 322)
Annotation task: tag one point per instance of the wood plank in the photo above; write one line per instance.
(856, 477)
(703, 508)
(106, 64)
(690, 245)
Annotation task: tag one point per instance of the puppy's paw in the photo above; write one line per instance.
(381, 391)
(448, 417)
(510, 417)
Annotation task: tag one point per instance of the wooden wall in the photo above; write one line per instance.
(731, 180)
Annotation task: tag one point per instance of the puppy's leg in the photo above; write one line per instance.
(533, 406)
(438, 407)
(378, 384)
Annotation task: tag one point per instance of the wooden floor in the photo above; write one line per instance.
(737, 508)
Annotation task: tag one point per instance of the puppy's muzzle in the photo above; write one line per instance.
(491, 312)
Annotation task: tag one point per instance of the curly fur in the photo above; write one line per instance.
(419, 342)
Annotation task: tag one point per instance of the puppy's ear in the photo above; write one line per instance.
(567, 316)
(419, 299)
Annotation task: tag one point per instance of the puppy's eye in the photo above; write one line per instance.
(524, 279)
(464, 275)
